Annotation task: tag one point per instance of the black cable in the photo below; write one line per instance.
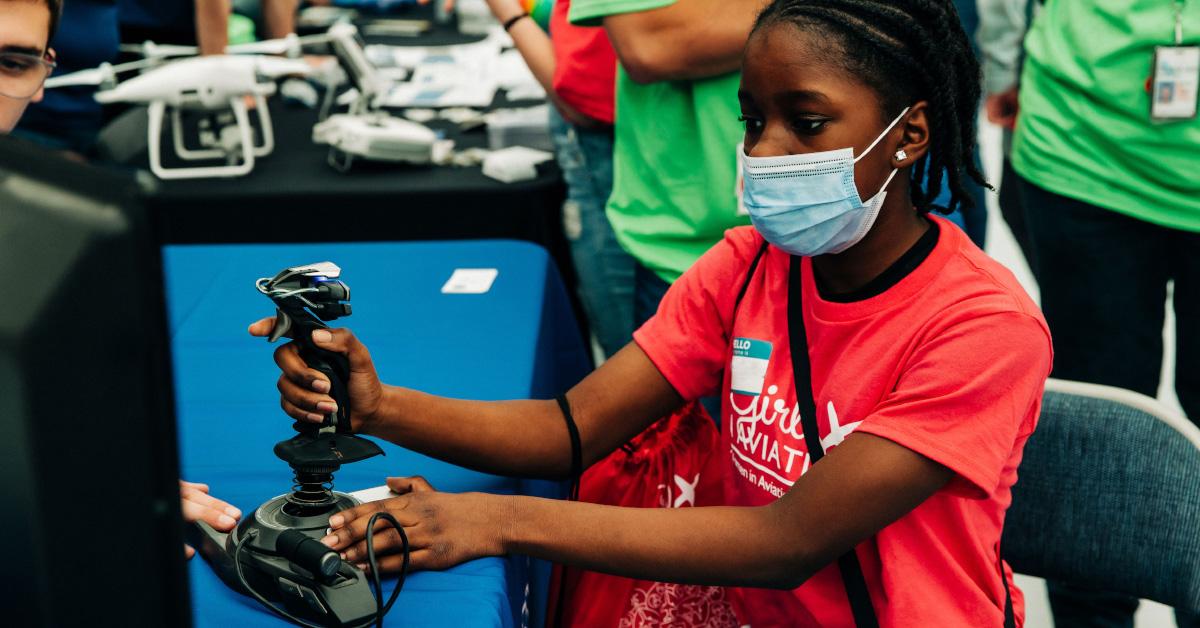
(381, 609)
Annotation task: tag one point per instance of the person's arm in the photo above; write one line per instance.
(689, 39)
(530, 40)
(1002, 27)
(836, 505)
(530, 438)
(279, 18)
(522, 438)
(963, 406)
(537, 50)
(212, 25)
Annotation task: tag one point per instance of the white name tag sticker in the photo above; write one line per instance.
(471, 281)
(1174, 83)
(748, 367)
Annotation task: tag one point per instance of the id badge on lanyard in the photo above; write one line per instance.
(1175, 77)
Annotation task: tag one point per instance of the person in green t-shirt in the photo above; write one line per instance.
(675, 158)
(1112, 201)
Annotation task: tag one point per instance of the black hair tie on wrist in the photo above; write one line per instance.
(508, 24)
(576, 446)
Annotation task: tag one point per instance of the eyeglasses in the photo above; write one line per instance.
(22, 75)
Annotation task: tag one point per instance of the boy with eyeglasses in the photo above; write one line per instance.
(26, 59)
(25, 55)
(69, 118)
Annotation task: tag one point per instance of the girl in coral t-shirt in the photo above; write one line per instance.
(878, 492)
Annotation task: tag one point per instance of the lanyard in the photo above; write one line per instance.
(1179, 22)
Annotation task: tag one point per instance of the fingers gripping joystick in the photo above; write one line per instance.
(305, 298)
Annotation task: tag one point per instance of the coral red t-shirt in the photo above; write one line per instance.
(950, 362)
(585, 70)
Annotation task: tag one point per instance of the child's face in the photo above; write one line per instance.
(24, 28)
(797, 101)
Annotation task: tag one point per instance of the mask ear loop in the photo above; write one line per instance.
(879, 138)
(887, 182)
(873, 207)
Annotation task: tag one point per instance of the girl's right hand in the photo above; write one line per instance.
(304, 392)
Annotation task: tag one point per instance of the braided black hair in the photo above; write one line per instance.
(905, 51)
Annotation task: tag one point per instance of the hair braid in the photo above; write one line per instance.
(906, 50)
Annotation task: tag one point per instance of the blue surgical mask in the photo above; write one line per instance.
(808, 204)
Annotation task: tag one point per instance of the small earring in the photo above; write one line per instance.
(901, 155)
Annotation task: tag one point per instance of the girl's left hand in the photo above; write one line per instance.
(443, 529)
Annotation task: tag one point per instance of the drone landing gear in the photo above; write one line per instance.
(234, 144)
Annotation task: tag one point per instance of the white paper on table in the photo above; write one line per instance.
(531, 91)
(500, 37)
(471, 281)
(368, 495)
(439, 95)
(515, 163)
(480, 54)
(512, 71)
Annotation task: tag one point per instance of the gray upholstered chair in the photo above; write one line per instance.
(1108, 496)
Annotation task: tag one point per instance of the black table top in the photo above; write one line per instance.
(299, 168)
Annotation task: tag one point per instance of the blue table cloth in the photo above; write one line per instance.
(518, 340)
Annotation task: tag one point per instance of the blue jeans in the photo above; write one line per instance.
(604, 269)
(649, 290)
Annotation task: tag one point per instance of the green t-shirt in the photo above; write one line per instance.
(675, 159)
(1084, 129)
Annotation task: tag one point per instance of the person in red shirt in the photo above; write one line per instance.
(879, 374)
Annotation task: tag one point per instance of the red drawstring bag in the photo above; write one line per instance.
(673, 464)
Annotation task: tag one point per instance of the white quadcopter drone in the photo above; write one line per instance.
(366, 131)
(210, 84)
(221, 85)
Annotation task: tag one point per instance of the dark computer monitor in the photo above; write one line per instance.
(88, 458)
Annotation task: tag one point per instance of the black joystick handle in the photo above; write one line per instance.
(335, 367)
(306, 297)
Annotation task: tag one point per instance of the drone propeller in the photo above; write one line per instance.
(276, 67)
(292, 45)
(98, 76)
(151, 50)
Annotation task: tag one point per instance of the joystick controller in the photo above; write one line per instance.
(274, 554)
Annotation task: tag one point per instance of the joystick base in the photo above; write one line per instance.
(343, 601)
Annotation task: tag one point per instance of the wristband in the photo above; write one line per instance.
(508, 24)
(576, 446)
